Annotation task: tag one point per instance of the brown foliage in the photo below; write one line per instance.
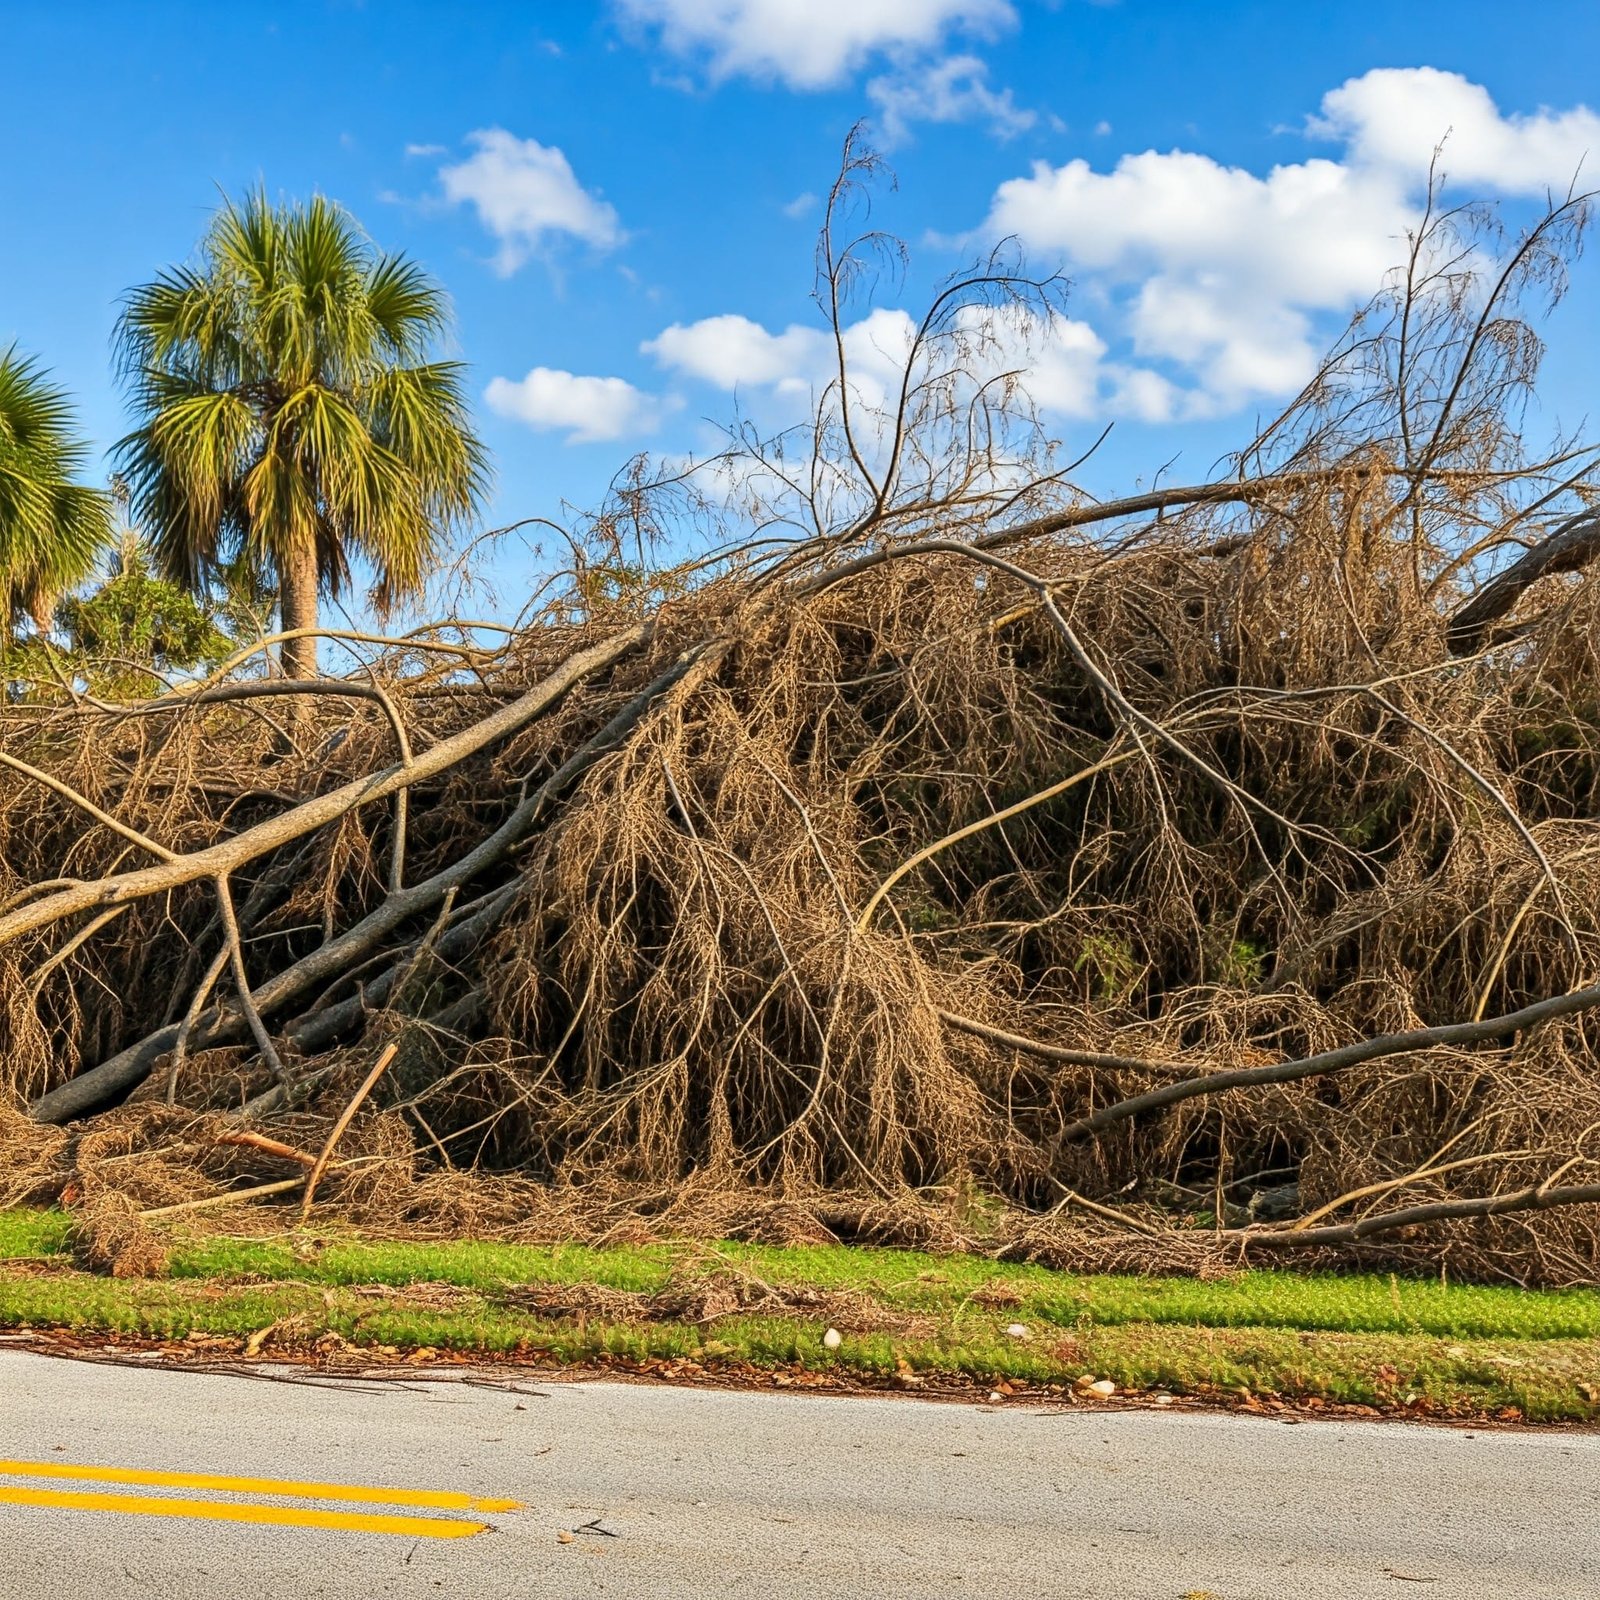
(1189, 783)
(108, 1235)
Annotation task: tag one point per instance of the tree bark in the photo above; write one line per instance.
(297, 608)
(1571, 547)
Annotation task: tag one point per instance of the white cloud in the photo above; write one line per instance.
(1234, 279)
(801, 206)
(732, 352)
(588, 410)
(1142, 394)
(810, 44)
(1394, 117)
(1238, 348)
(415, 150)
(1058, 358)
(954, 89)
(1316, 230)
(1222, 267)
(729, 351)
(525, 193)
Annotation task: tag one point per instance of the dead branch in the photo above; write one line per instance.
(320, 1165)
(265, 837)
(259, 1141)
(241, 982)
(1056, 1052)
(1329, 1061)
(1571, 547)
(1537, 1197)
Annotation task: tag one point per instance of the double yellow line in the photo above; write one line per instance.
(291, 1516)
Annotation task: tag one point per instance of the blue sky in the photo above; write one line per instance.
(615, 193)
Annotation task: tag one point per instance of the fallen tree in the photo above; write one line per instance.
(944, 830)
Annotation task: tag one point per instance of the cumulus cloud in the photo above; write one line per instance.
(1059, 358)
(733, 352)
(1143, 395)
(1317, 229)
(1060, 362)
(954, 89)
(819, 44)
(1394, 117)
(809, 44)
(526, 193)
(730, 351)
(1224, 265)
(588, 410)
(1233, 277)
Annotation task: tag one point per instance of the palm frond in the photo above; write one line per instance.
(286, 400)
(52, 529)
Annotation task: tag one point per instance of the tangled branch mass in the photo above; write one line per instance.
(945, 857)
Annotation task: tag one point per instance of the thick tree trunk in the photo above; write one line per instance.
(297, 608)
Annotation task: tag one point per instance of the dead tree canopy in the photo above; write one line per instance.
(939, 830)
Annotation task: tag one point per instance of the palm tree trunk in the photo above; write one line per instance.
(297, 608)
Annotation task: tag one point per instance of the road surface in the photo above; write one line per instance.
(348, 1490)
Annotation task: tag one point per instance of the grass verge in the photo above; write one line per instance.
(738, 1312)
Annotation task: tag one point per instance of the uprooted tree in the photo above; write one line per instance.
(940, 837)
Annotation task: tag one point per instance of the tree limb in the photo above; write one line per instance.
(1326, 1061)
(1537, 1197)
(232, 853)
(1573, 545)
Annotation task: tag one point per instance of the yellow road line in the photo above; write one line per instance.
(240, 1511)
(433, 1499)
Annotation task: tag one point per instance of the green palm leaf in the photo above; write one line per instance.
(288, 410)
(51, 528)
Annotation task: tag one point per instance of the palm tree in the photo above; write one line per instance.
(51, 528)
(288, 414)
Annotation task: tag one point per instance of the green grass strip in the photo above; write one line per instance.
(1364, 1339)
(1545, 1381)
(905, 1280)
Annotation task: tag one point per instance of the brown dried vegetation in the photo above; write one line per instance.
(867, 870)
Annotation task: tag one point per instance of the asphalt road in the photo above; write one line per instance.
(660, 1491)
